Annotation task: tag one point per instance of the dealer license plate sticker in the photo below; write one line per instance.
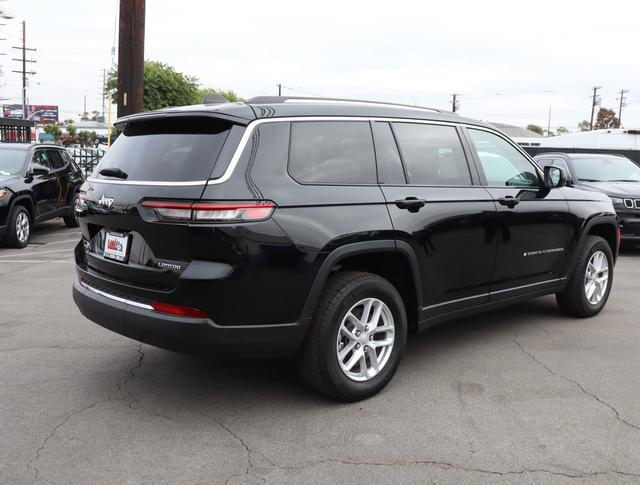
(116, 246)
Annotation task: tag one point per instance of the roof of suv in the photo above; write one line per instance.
(278, 107)
(577, 155)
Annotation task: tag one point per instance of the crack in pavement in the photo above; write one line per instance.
(577, 384)
(452, 466)
(31, 465)
(249, 451)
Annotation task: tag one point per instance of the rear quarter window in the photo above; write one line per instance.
(332, 152)
(172, 149)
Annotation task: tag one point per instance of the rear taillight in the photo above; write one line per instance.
(211, 211)
(177, 310)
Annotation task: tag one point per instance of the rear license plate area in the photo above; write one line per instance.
(116, 246)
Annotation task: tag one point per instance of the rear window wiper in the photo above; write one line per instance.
(590, 180)
(625, 180)
(113, 172)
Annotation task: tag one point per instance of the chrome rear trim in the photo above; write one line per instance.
(116, 298)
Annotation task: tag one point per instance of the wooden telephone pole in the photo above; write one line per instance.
(23, 71)
(131, 57)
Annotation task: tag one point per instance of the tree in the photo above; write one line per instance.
(72, 130)
(231, 96)
(562, 130)
(584, 125)
(536, 129)
(165, 87)
(87, 138)
(606, 119)
(53, 130)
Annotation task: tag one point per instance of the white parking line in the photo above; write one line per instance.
(55, 242)
(24, 253)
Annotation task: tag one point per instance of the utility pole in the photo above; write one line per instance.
(104, 91)
(279, 89)
(454, 102)
(84, 113)
(622, 93)
(24, 72)
(549, 124)
(131, 57)
(593, 105)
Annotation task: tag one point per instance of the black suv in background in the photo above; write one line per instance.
(37, 183)
(613, 175)
(327, 229)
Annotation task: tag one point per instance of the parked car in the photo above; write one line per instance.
(37, 183)
(613, 175)
(327, 230)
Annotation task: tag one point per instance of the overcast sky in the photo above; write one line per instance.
(508, 60)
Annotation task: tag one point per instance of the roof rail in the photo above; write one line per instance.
(286, 99)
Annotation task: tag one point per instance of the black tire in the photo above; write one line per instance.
(573, 300)
(318, 361)
(72, 219)
(11, 238)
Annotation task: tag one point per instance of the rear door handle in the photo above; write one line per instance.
(412, 204)
(510, 201)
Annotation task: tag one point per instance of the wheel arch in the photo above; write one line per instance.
(604, 226)
(26, 201)
(379, 257)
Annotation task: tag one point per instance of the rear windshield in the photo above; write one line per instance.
(167, 150)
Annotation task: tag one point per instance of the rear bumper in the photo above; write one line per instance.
(140, 322)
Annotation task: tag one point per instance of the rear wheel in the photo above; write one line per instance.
(71, 220)
(18, 228)
(357, 337)
(590, 284)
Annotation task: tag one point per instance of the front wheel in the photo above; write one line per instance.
(590, 284)
(357, 337)
(18, 228)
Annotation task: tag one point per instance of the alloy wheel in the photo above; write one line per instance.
(596, 278)
(23, 227)
(365, 339)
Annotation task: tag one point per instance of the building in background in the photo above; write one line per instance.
(16, 131)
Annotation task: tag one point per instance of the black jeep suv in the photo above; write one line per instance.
(328, 230)
(37, 182)
(614, 175)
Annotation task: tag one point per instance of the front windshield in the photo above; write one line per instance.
(12, 161)
(606, 169)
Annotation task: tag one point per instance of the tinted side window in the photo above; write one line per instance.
(339, 152)
(502, 163)
(41, 160)
(432, 154)
(390, 169)
(56, 159)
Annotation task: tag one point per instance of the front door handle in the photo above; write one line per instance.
(510, 201)
(412, 204)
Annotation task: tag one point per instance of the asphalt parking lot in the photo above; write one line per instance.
(523, 395)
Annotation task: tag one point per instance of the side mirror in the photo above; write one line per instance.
(554, 176)
(39, 171)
